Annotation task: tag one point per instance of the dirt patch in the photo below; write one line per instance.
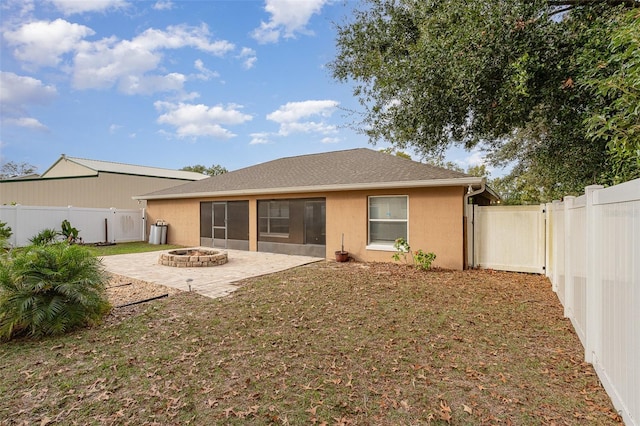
(123, 290)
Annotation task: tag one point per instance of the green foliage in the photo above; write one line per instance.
(49, 290)
(5, 231)
(421, 260)
(45, 237)
(214, 170)
(503, 76)
(614, 76)
(5, 234)
(402, 248)
(392, 151)
(70, 233)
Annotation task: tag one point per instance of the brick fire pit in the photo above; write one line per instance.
(193, 258)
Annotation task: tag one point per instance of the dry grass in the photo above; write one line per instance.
(329, 343)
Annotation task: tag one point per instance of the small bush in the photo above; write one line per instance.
(5, 234)
(421, 260)
(49, 290)
(69, 232)
(45, 237)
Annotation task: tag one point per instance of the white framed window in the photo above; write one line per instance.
(388, 221)
(274, 218)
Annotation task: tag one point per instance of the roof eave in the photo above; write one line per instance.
(320, 188)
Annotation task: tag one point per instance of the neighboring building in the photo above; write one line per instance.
(305, 204)
(80, 182)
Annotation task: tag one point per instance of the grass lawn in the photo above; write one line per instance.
(125, 248)
(337, 344)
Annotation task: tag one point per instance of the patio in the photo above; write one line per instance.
(210, 282)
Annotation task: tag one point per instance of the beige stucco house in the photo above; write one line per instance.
(306, 204)
(81, 182)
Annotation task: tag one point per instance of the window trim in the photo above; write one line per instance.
(378, 246)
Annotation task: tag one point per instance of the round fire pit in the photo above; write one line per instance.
(193, 258)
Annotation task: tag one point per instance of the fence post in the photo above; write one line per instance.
(555, 249)
(568, 269)
(593, 332)
(20, 228)
(144, 224)
(111, 225)
(548, 256)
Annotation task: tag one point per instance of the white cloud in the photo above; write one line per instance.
(288, 17)
(248, 56)
(306, 127)
(290, 117)
(259, 138)
(28, 122)
(17, 91)
(178, 36)
(191, 120)
(330, 140)
(163, 5)
(148, 84)
(22, 8)
(109, 61)
(294, 111)
(70, 7)
(101, 64)
(205, 73)
(42, 43)
(114, 128)
(476, 158)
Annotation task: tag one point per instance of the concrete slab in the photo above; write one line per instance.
(215, 281)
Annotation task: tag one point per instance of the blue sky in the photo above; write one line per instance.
(174, 83)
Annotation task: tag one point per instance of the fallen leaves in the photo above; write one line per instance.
(325, 344)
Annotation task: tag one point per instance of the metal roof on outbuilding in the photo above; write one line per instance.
(97, 166)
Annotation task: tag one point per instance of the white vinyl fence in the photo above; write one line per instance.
(594, 267)
(509, 238)
(94, 225)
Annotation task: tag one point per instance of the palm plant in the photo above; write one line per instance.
(49, 290)
(45, 237)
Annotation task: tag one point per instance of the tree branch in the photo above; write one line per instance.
(573, 3)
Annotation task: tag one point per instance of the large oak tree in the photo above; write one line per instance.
(504, 75)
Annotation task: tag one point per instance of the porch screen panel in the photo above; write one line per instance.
(206, 220)
(238, 220)
(273, 218)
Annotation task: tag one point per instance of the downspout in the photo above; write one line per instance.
(471, 244)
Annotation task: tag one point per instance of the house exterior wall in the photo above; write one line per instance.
(103, 191)
(435, 221)
(435, 224)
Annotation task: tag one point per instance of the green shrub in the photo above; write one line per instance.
(49, 290)
(45, 237)
(5, 234)
(69, 232)
(421, 260)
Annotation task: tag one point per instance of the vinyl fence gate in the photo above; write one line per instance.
(508, 238)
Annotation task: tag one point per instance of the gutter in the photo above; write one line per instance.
(470, 193)
(321, 188)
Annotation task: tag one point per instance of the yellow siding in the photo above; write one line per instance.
(435, 221)
(104, 191)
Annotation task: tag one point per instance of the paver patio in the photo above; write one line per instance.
(216, 281)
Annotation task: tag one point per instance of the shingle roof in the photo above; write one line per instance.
(130, 169)
(338, 170)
